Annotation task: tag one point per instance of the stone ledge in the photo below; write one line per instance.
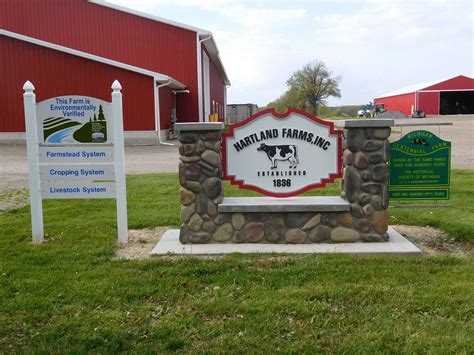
(202, 126)
(292, 204)
(363, 123)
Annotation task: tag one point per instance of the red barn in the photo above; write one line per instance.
(169, 71)
(442, 97)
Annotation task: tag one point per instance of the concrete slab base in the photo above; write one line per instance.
(397, 245)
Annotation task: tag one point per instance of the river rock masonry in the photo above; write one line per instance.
(361, 217)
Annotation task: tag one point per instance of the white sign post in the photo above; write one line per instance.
(29, 100)
(75, 150)
(122, 223)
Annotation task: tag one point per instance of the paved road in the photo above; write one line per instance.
(154, 159)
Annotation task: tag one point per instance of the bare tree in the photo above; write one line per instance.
(313, 85)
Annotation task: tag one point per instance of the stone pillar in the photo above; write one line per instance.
(365, 180)
(200, 177)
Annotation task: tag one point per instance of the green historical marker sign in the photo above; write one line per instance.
(420, 167)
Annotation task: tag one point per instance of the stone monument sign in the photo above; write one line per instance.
(279, 148)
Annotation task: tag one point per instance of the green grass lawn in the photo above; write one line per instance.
(71, 295)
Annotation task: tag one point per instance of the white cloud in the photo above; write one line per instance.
(253, 18)
(254, 55)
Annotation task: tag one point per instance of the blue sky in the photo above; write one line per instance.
(376, 46)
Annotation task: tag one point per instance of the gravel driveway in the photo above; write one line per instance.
(158, 159)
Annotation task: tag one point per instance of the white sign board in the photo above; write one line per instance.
(83, 154)
(74, 120)
(52, 190)
(79, 172)
(282, 155)
(75, 150)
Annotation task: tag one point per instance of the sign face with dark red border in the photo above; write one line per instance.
(282, 155)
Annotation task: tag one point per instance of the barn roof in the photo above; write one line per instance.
(161, 78)
(206, 36)
(416, 87)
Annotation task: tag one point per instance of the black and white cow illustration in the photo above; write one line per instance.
(280, 152)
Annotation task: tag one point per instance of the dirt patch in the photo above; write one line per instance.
(13, 199)
(140, 243)
(433, 241)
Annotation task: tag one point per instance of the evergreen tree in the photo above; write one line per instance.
(95, 117)
(101, 114)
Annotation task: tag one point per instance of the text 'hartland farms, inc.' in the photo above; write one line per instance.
(285, 133)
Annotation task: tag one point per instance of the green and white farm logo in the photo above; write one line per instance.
(72, 120)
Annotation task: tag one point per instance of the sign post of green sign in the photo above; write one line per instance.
(420, 166)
